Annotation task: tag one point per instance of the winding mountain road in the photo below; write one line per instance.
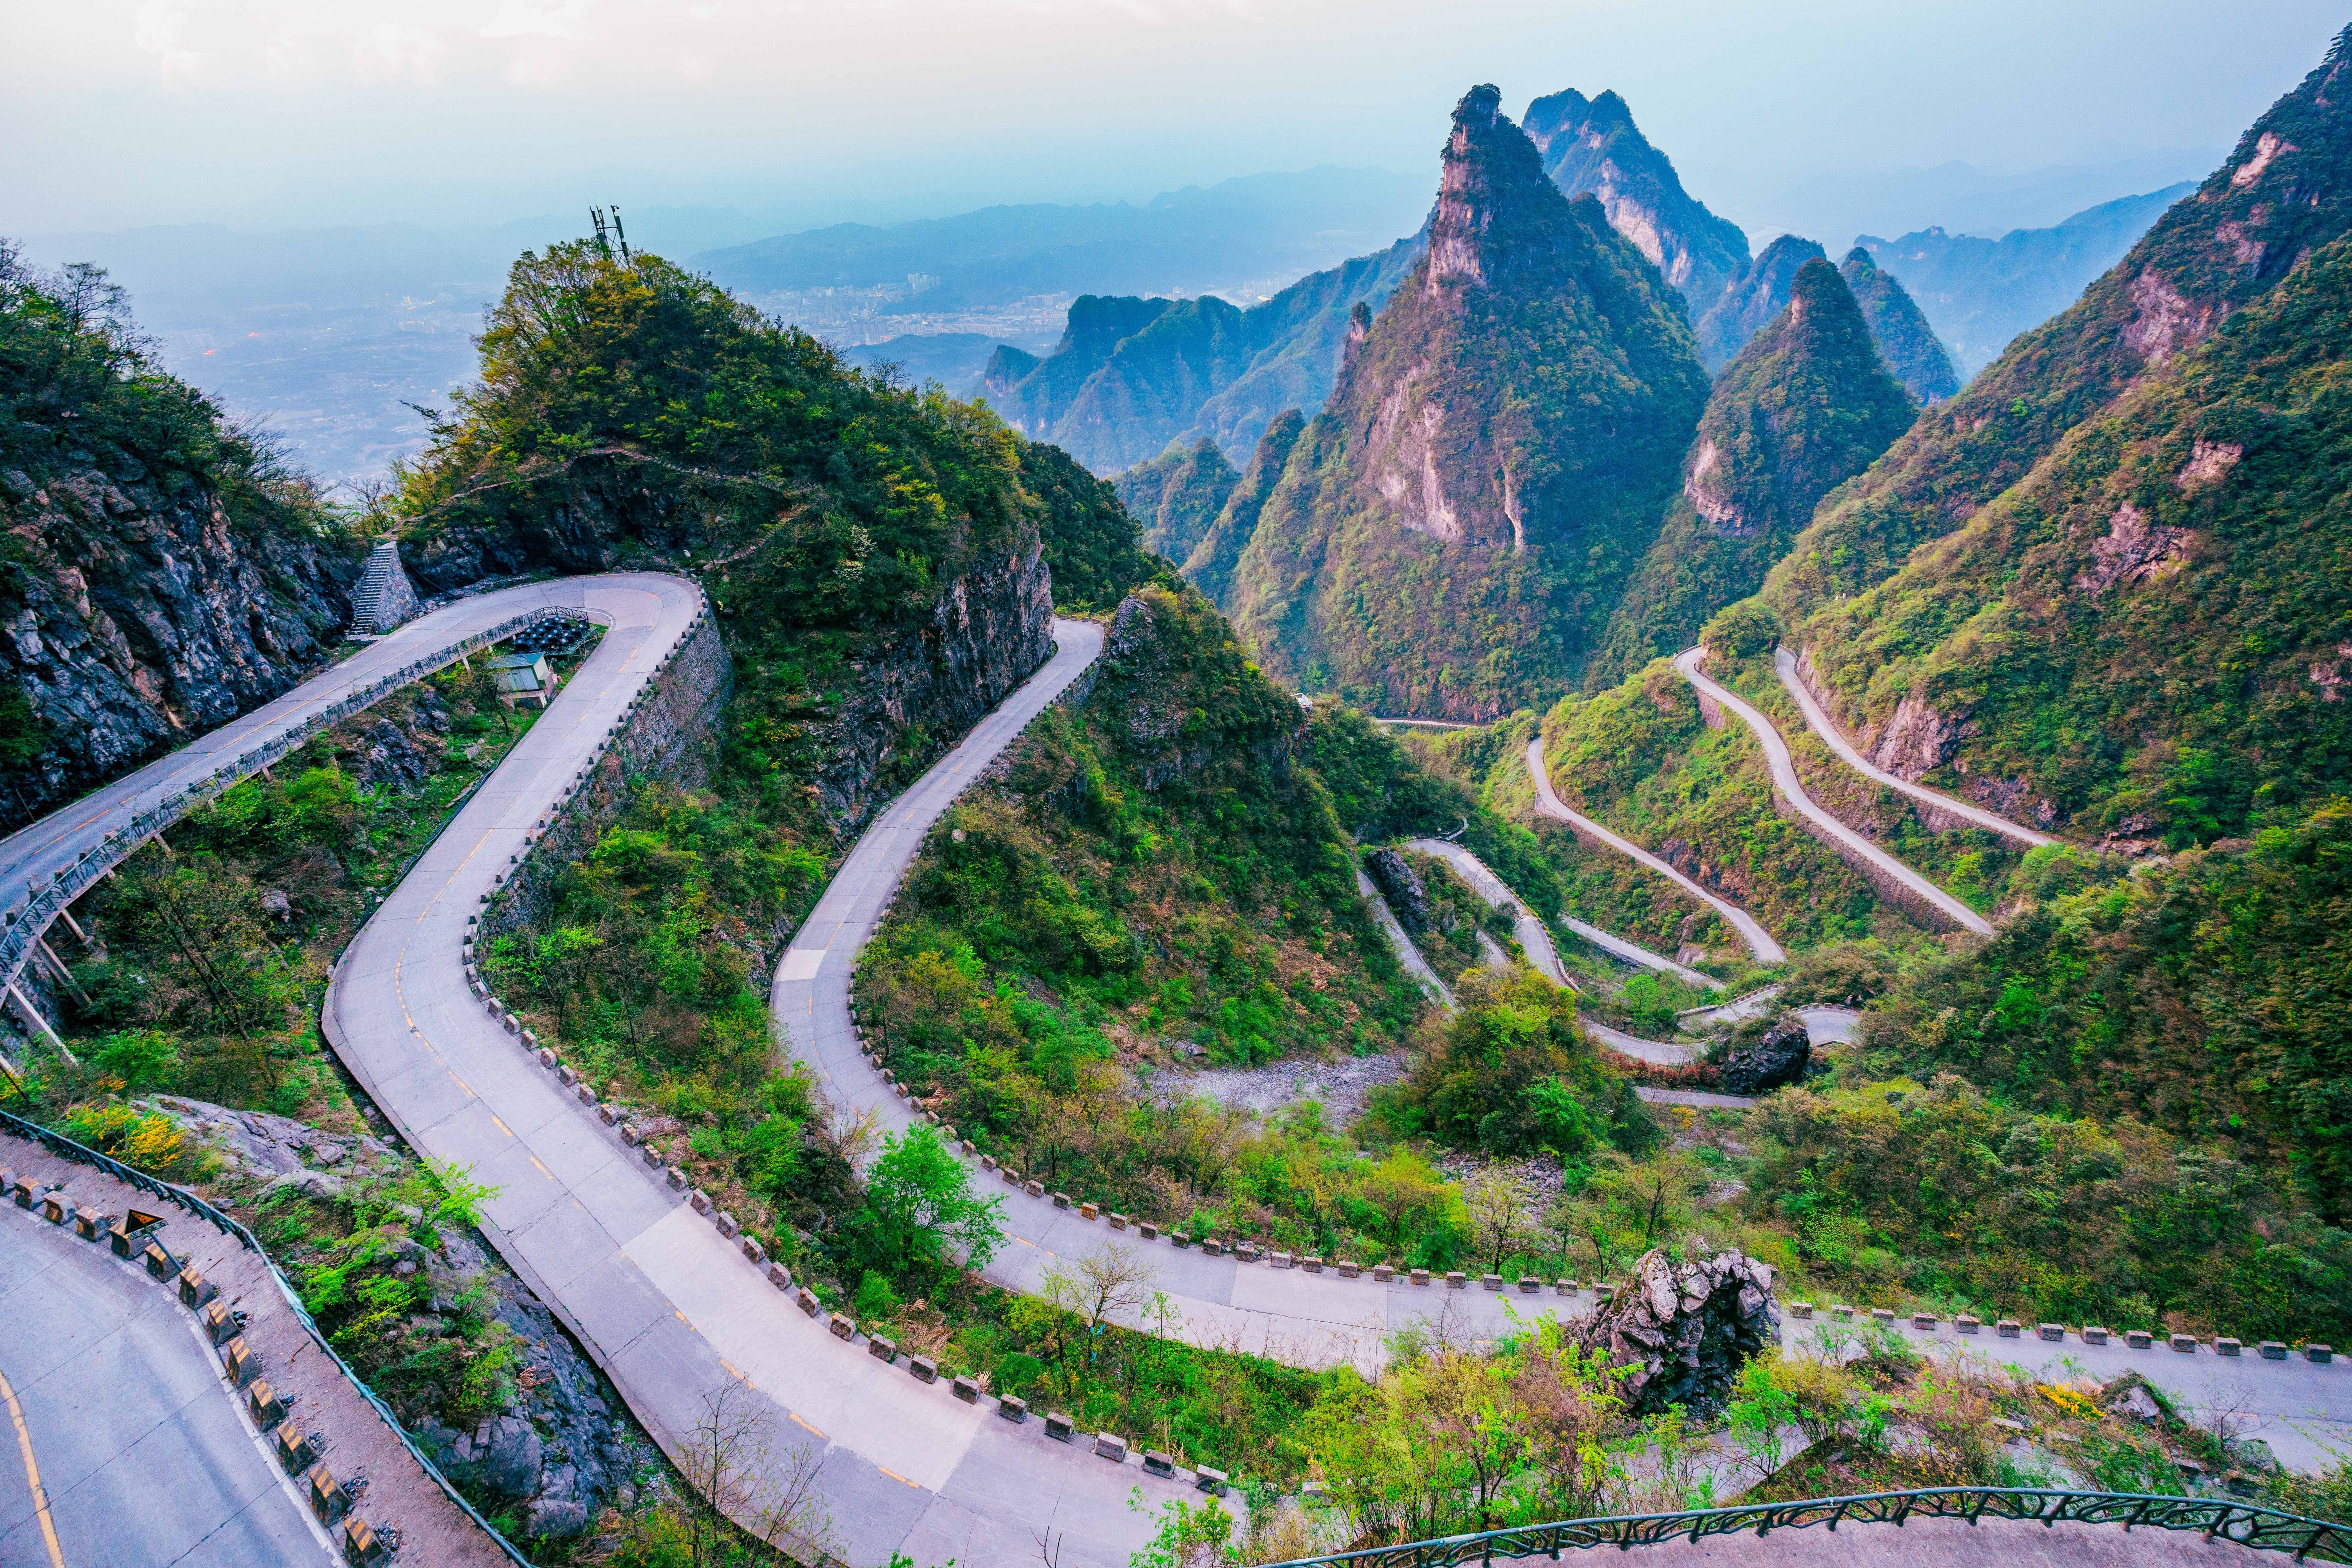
(1759, 941)
(1784, 779)
(1784, 664)
(674, 1311)
(1525, 924)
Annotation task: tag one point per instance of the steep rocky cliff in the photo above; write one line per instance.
(160, 573)
(1808, 404)
(1448, 535)
(1591, 147)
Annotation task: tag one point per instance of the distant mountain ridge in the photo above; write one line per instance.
(1980, 293)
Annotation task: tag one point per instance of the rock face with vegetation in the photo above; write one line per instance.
(1131, 377)
(1591, 147)
(163, 572)
(1176, 497)
(1686, 1329)
(2132, 605)
(1210, 566)
(1753, 298)
(1914, 354)
(1450, 529)
(1806, 405)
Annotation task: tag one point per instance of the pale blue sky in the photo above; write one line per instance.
(293, 112)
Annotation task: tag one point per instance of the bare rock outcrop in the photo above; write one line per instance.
(1401, 886)
(1777, 1057)
(1685, 1329)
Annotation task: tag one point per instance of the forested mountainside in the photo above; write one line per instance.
(1753, 297)
(1450, 533)
(2130, 611)
(875, 558)
(161, 571)
(1210, 566)
(1175, 497)
(1979, 293)
(1591, 147)
(1914, 354)
(1808, 404)
(1131, 377)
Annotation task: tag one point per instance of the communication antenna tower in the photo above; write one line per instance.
(623, 236)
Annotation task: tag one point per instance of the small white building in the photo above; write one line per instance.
(523, 679)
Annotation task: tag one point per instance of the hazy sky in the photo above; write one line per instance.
(296, 112)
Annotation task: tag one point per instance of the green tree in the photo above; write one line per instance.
(922, 1202)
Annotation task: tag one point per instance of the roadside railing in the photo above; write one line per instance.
(26, 923)
(2264, 1529)
(66, 1149)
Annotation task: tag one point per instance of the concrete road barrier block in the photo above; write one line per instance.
(2274, 1350)
(1035, 1189)
(1086, 1211)
(1279, 1260)
(807, 1302)
(328, 1498)
(1013, 1408)
(2321, 1354)
(1456, 1279)
(2227, 1347)
(2184, 1343)
(1057, 1426)
(2008, 1328)
(91, 1224)
(677, 1179)
(118, 1238)
(1967, 1325)
(841, 1326)
(630, 1135)
(159, 1262)
(295, 1449)
(547, 1057)
(700, 1200)
(1800, 1308)
(1603, 1294)
(1383, 1273)
(754, 1253)
(1882, 1315)
(965, 1388)
(240, 1361)
(882, 1349)
(1210, 1480)
(25, 1191)
(1159, 1464)
(605, 1113)
(1491, 1282)
(1178, 1239)
(1530, 1286)
(219, 1322)
(1117, 1220)
(1924, 1322)
(987, 1161)
(2094, 1335)
(362, 1547)
(194, 1289)
(2137, 1339)
(262, 1403)
(57, 1207)
(1347, 1268)
(1061, 1200)
(567, 1075)
(2053, 1333)
(779, 1277)
(922, 1369)
(1248, 1252)
(1211, 1248)
(726, 1224)
(1111, 1446)
(1149, 1232)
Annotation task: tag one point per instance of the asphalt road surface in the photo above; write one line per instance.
(142, 1454)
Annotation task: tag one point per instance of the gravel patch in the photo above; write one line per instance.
(1339, 1087)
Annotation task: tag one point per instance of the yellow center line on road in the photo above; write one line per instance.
(793, 1415)
(499, 1125)
(542, 1169)
(32, 1476)
(896, 1477)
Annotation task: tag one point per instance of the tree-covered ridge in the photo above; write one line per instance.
(1132, 377)
(1092, 545)
(2282, 194)
(1753, 298)
(1914, 354)
(1176, 496)
(1591, 147)
(2152, 637)
(1806, 406)
(1210, 566)
(1450, 533)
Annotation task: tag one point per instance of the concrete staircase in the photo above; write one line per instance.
(385, 597)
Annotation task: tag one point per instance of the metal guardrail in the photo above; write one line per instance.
(26, 923)
(66, 1148)
(2263, 1529)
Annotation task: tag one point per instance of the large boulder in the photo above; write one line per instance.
(1685, 1329)
(1777, 1057)
(1400, 885)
